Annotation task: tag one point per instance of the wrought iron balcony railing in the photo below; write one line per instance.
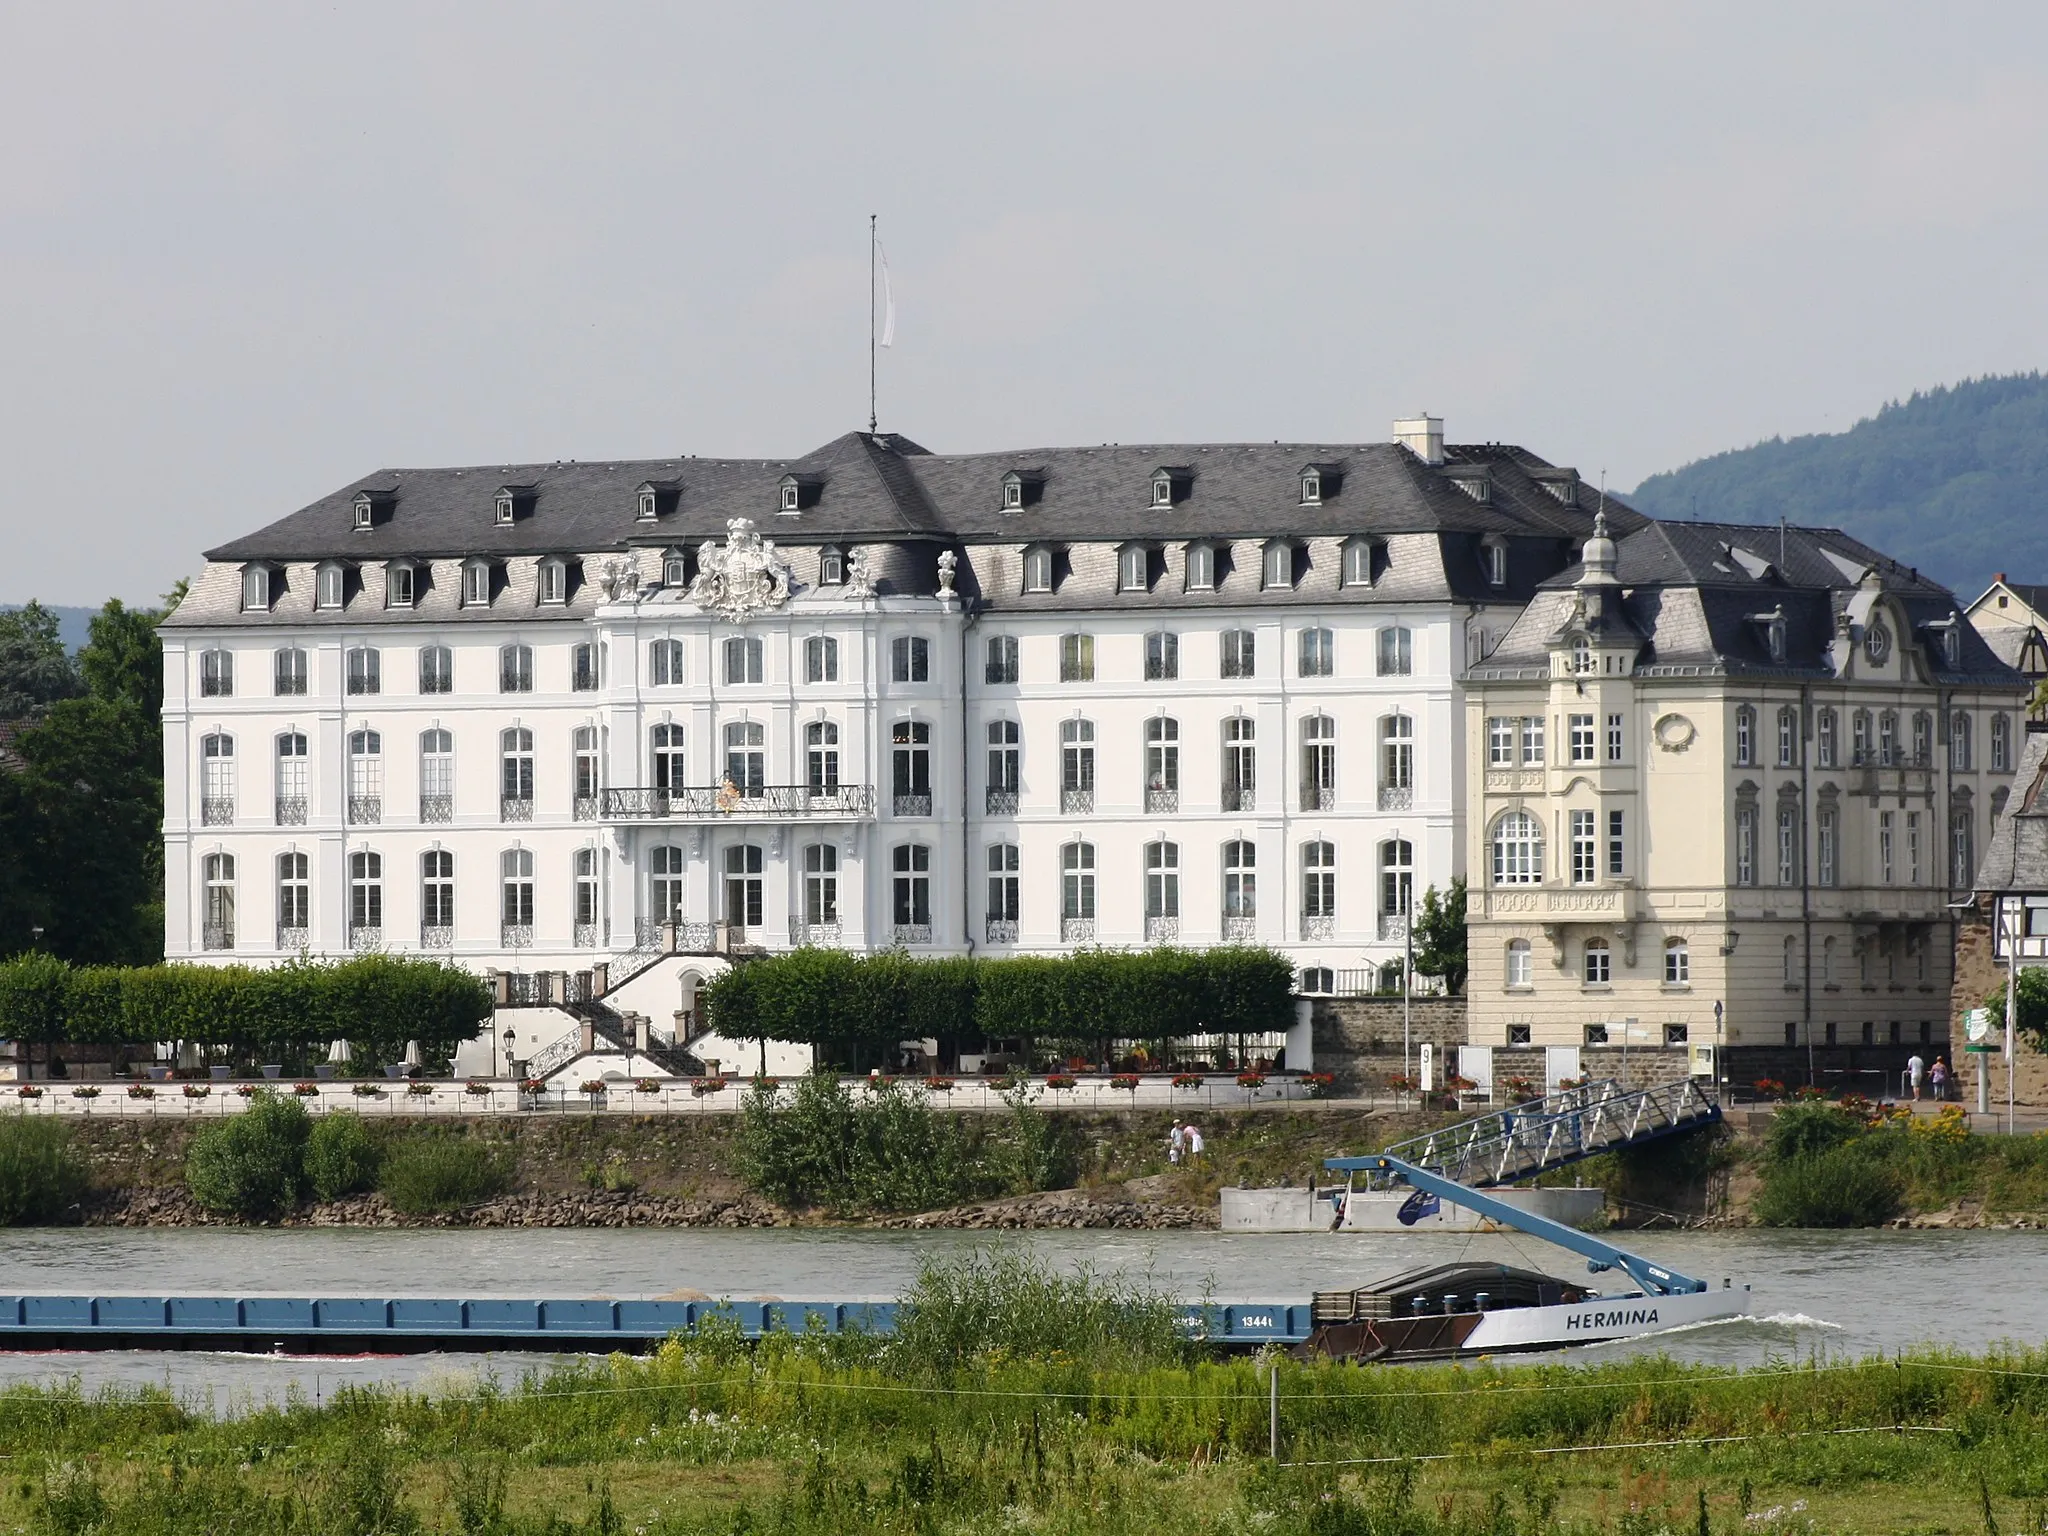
(1162, 802)
(1235, 799)
(365, 938)
(586, 808)
(1162, 930)
(436, 936)
(291, 810)
(1240, 927)
(1002, 802)
(815, 934)
(366, 810)
(712, 802)
(1318, 797)
(1077, 802)
(437, 808)
(584, 936)
(1001, 930)
(217, 936)
(515, 808)
(1318, 927)
(1395, 798)
(1393, 925)
(515, 935)
(911, 805)
(911, 933)
(216, 811)
(1077, 930)
(290, 937)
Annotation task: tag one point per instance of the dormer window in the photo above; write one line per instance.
(476, 584)
(1952, 648)
(831, 567)
(1495, 552)
(1477, 484)
(647, 506)
(1319, 482)
(1360, 558)
(1013, 494)
(796, 492)
(506, 508)
(1563, 484)
(1022, 488)
(255, 589)
(369, 508)
(554, 581)
(1582, 656)
(1773, 626)
(1311, 489)
(651, 498)
(366, 512)
(1038, 569)
(1133, 568)
(1162, 491)
(400, 590)
(1170, 485)
(330, 586)
(791, 496)
(1276, 565)
(675, 568)
(1201, 574)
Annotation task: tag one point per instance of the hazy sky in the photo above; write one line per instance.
(249, 253)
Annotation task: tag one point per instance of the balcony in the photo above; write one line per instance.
(1240, 927)
(515, 808)
(1002, 802)
(1396, 798)
(813, 934)
(217, 936)
(844, 802)
(1078, 802)
(515, 935)
(291, 810)
(1235, 799)
(910, 805)
(1001, 930)
(585, 808)
(1162, 802)
(216, 811)
(366, 810)
(436, 936)
(1318, 928)
(1077, 930)
(365, 938)
(1393, 925)
(437, 808)
(290, 938)
(1318, 797)
(583, 936)
(910, 933)
(1162, 930)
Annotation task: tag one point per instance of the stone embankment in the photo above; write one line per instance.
(1139, 1205)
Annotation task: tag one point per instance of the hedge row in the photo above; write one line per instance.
(823, 996)
(378, 1002)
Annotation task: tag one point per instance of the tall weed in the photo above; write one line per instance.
(341, 1159)
(42, 1174)
(428, 1175)
(253, 1164)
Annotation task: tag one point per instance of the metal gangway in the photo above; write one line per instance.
(1559, 1128)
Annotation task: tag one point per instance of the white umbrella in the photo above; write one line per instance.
(412, 1053)
(339, 1053)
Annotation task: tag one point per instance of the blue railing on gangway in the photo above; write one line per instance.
(406, 1322)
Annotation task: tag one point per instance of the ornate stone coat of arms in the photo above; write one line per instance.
(745, 577)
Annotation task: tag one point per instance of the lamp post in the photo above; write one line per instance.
(511, 1039)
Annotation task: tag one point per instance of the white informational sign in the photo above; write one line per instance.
(1426, 1056)
(1977, 1023)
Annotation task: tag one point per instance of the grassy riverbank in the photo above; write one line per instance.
(818, 1436)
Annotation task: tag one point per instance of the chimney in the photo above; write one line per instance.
(1422, 436)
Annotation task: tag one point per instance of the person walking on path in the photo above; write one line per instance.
(1938, 1076)
(1176, 1142)
(1194, 1143)
(1915, 1070)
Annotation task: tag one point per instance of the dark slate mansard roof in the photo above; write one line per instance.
(885, 488)
(2017, 859)
(1695, 592)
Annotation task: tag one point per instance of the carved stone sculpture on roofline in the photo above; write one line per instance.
(745, 576)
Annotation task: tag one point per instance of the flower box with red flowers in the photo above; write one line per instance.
(85, 1091)
(1251, 1079)
(1318, 1084)
(1401, 1084)
(1125, 1080)
(419, 1090)
(594, 1088)
(646, 1085)
(1059, 1082)
(475, 1087)
(1769, 1088)
(197, 1090)
(936, 1084)
(368, 1091)
(306, 1090)
(704, 1085)
(764, 1084)
(141, 1091)
(1187, 1079)
(29, 1091)
(880, 1080)
(247, 1090)
(534, 1085)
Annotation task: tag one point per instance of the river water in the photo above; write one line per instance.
(1837, 1292)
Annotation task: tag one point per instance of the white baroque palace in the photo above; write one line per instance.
(874, 696)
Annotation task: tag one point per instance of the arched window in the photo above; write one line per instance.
(1133, 568)
(1077, 658)
(1318, 889)
(742, 659)
(1240, 887)
(910, 767)
(1077, 767)
(2001, 743)
(1788, 736)
(1923, 739)
(1788, 844)
(288, 672)
(743, 866)
(476, 584)
(1859, 739)
(1038, 569)
(365, 900)
(365, 777)
(1396, 652)
(365, 670)
(1358, 563)
(1599, 969)
(1162, 656)
(1824, 737)
(1162, 765)
(1745, 735)
(670, 763)
(1240, 763)
(218, 872)
(821, 888)
(1791, 960)
(1962, 861)
(746, 757)
(1001, 665)
(294, 900)
(515, 774)
(1318, 653)
(1077, 891)
(585, 906)
(1201, 568)
(821, 757)
(515, 911)
(1888, 738)
(216, 674)
(437, 899)
(554, 581)
(1318, 763)
(1397, 877)
(1959, 741)
(515, 669)
(1276, 570)
(217, 779)
(831, 568)
(1677, 963)
(437, 775)
(1317, 981)
(1517, 850)
(675, 568)
(664, 886)
(291, 779)
(665, 664)
(1239, 654)
(1520, 971)
(437, 669)
(1397, 762)
(1162, 891)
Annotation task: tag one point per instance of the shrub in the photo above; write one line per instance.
(1845, 1186)
(341, 1159)
(1804, 1130)
(441, 1173)
(886, 1150)
(42, 1174)
(252, 1165)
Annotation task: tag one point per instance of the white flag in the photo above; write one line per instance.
(888, 300)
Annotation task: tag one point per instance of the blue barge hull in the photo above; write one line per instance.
(347, 1325)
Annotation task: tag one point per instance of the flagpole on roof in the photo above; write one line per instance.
(871, 322)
